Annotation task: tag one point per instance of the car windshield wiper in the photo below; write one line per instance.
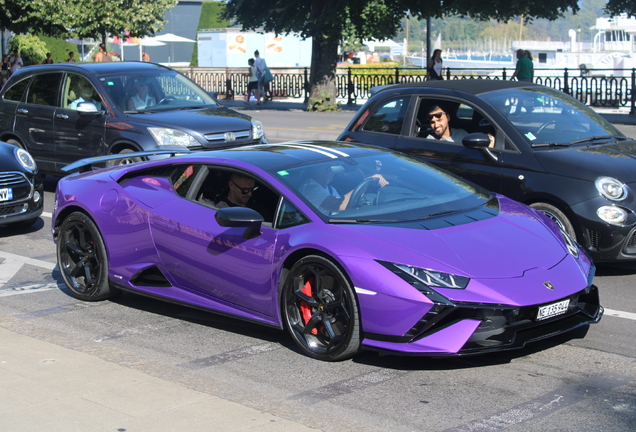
(596, 138)
(552, 144)
(354, 221)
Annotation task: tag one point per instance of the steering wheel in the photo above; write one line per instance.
(544, 125)
(166, 99)
(359, 191)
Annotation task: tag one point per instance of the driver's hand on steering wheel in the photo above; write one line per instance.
(381, 180)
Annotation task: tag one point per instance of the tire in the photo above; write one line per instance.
(557, 216)
(124, 160)
(320, 310)
(82, 258)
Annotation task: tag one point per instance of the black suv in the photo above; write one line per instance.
(64, 112)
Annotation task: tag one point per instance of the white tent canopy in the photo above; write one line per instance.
(169, 37)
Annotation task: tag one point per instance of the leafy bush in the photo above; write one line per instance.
(31, 48)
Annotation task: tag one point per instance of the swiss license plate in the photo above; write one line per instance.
(551, 310)
(6, 194)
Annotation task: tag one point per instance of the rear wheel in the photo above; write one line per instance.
(82, 259)
(557, 216)
(320, 310)
(125, 160)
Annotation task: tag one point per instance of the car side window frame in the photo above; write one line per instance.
(14, 88)
(69, 93)
(48, 95)
(502, 142)
(390, 129)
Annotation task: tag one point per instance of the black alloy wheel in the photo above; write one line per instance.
(320, 310)
(82, 258)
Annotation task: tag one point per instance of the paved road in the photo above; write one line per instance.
(138, 364)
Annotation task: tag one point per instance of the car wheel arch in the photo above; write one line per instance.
(305, 322)
(123, 145)
(13, 140)
(537, 204)
(296, 256)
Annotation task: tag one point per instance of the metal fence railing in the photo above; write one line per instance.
(594, 87)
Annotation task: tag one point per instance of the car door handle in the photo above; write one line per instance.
(23, 111)
(62, 116)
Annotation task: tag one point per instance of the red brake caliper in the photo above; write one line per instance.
(305, 309)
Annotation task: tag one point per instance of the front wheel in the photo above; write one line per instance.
(557, 216)
(320, 310)
(82, 258)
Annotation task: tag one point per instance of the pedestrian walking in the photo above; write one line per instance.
(435, 66)
(48, 59)
(5, 70)
(71, 57)
(261, 67)
(252, 84)
(524, 69)
(16, 61)
(102, 54)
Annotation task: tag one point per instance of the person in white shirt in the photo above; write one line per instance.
(16, 61)
(261, 65)
(87, 94)
(141, 99)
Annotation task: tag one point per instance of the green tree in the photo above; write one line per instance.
(85, 18)
(20, 16)
(616, 7)
(328, 22)
(98, 18)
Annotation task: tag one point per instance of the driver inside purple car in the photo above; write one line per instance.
(323, 195)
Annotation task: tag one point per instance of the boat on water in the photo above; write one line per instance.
(611, 53)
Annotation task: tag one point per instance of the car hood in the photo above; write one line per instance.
(590, 162)
(505, 246)
(204, 120)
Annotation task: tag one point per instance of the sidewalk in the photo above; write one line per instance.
(48, 387)
(614, 116)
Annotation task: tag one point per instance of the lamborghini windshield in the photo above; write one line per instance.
(380, 187)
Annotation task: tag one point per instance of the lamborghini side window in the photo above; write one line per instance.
(289, 216)
(183, 177)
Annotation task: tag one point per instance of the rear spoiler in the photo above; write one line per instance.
(86, 164)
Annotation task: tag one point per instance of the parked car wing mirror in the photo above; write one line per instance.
(87, 108)
(476, 140)
(233, 217)
(479, 141)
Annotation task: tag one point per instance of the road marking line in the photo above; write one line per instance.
(28, 289)
(47, 214)
(620, 314)
(27, 260)
(9, 268)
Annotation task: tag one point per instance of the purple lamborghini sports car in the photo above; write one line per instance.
(346, 246)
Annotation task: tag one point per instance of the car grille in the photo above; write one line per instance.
(228, 137)
(595, 238)
(18, 182)
(13, 209)
(500, 325)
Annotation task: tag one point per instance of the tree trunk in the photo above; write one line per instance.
(324, 61)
